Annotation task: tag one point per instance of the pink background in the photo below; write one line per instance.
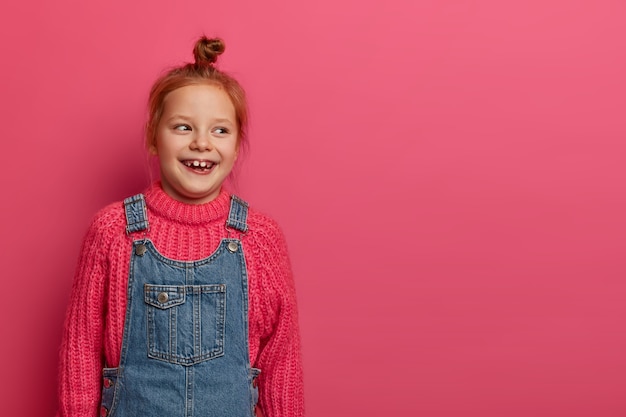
(449, 176)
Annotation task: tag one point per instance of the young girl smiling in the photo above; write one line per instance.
(183, 302)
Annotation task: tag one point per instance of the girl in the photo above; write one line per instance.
(183, 302)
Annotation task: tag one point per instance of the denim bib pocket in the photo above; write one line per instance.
(185, 322)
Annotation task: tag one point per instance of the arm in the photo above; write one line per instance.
(280, 382)
(81, 349)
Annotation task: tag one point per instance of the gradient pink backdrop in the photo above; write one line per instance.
(450, 176)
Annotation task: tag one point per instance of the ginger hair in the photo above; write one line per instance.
(202, 71)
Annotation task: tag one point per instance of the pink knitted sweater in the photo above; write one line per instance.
(95, 317)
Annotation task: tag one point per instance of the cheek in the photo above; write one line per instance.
(163, 146)
(234, 153)
(229, 151)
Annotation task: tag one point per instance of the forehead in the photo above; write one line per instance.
(199, 99)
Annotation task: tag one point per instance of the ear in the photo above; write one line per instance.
(153, 150)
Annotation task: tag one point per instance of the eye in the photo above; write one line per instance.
(221, 130)
(182, 127)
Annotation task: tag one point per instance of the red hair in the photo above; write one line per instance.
(202, 71)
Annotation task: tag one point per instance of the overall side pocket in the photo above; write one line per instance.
(109, 384)
(254, 389)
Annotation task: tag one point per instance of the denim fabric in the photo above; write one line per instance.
(136, 218)
(238, 214)
(185, 344)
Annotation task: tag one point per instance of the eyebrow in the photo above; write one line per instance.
(189, 119)
(222, 120)
(178, 116)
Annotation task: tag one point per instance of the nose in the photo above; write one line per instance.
(201, 142)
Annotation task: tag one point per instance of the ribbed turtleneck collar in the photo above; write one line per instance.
(163, 205)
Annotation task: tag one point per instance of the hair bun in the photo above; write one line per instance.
(207, 50)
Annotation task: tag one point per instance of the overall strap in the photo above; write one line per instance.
(238, 214)
(136, 216)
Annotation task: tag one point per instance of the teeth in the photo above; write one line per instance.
(198, 164)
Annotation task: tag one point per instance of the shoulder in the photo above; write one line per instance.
(262, 227)
(266, 244)
(109, 222)
(105, 235)
(112, 215)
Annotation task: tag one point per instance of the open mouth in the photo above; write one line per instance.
(198, 165)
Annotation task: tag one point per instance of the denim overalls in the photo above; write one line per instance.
(185, 344)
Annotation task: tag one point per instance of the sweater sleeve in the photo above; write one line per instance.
(81, 348)
(280, 382)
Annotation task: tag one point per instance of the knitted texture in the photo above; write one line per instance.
(95, 317)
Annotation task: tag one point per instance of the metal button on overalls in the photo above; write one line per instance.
(162, 297)
(140, 249)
